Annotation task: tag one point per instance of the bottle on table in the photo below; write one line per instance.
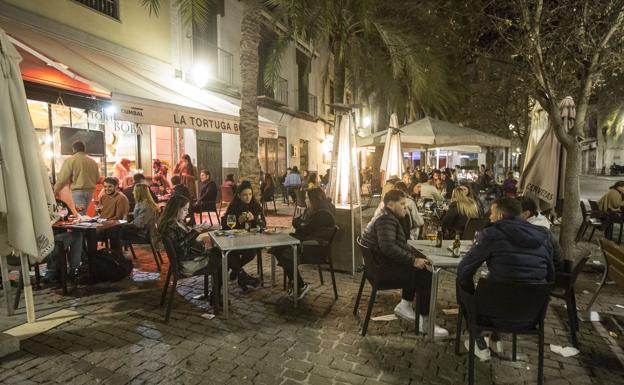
(439, 237)
(456, 247)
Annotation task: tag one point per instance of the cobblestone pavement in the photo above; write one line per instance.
(121, 338)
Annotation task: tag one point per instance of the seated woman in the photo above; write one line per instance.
(160, 185)
(268, 188)
(248, 212)
(145, 215)
(460, 210)
(193, 255)
(315, 224)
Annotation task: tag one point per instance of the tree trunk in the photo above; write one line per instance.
(248, 162)
(339, 75)
(571, 217)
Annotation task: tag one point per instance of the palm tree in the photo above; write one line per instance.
(195, 13)
(379, 48)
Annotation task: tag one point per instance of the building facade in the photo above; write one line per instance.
(157, 88)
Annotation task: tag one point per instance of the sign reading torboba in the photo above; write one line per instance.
(208, 121)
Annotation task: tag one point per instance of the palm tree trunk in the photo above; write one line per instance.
(339, 75)
(248, 162)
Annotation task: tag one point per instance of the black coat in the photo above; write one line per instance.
(514, 250)
(237, 208)
(386, 238)
(315, 224)
(453, 219)
(207, 192)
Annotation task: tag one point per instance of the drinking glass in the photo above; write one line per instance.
(231, 221)
(432, 234)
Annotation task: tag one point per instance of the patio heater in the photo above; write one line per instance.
(344, 191)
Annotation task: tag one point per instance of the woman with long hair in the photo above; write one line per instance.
(268, 188)
(145, 214)
(187, 173)
(248, 213)
(192, 254)
(460, 210)
(315, 224)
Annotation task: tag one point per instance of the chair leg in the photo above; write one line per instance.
(571, 310)
(514, 346)
(333, 278)
(259, 268)
(369, 311)
(471, 357)
(458, 329)
(274, 206)
(592, 233)
(165, 287)
(170, 302)
(155, 255)
(37, 277)
(206, 286)
(576, 321)
(620, 237)
(359, 295)
(581, 231)
(321, 275)
(210, 218)
(540, 363)
(134, 257)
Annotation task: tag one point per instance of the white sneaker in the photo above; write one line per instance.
(405, 311)
(438, 331)
(302, 292)
(482, 354)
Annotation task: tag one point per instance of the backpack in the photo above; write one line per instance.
(109, 266)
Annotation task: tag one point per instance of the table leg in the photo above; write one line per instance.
(62, 260)
(432, 303)
(224, 280)
(6, 284)
(272, 270)
(295, 275)
(91, 249)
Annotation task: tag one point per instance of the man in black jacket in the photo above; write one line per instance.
(513, 249)
(385, 236)
(207, 199)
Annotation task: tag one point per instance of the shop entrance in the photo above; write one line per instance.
(209, 158)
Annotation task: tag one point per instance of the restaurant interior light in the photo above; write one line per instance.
(366, 121)
(110, 110)
(200, 75)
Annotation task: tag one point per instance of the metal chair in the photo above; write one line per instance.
(266, 198)
(590, 219)
(301, 203)
(564, 289)
(509, 303)
(152, 242)
(207, 207)
(373, 273)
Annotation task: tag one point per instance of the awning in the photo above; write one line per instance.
(141, 95)
(434, 133)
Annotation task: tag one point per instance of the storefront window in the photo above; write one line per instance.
(272, 154)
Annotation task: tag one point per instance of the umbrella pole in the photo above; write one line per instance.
(6, 284)
(28, 294)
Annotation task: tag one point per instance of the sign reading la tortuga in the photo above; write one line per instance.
(182, 120)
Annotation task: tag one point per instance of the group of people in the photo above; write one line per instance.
(517, 245)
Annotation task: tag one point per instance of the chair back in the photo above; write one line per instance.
(614, 260)
(472, 226)
(227, 194)
(584, 211)
(578, 267)
(593, 205)
(517, 302)
(171, 254)
(367, 254)
(300, 198)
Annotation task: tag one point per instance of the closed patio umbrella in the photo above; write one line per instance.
(392, 157)
(26, 198)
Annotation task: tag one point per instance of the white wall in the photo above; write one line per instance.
(230, 150)
(190, 143)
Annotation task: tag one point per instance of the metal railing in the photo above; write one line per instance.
(312, 105)
(226, 66)
(106, 7)
(280, 92)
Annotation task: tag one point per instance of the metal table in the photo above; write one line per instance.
(440, 258)
(237, 240)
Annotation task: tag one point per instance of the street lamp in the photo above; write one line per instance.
(200, 74)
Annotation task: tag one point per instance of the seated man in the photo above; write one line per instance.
(70, 239)
(385, 236)
(531, 215)
(114, 204)
(207, 199)
(513, 249)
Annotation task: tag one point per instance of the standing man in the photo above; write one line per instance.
(82, 173)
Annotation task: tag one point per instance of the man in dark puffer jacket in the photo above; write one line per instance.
(513, 249)
(385, 236)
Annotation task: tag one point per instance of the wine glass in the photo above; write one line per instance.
(231, 221)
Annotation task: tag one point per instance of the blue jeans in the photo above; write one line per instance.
(74, 241)
(82, 198)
